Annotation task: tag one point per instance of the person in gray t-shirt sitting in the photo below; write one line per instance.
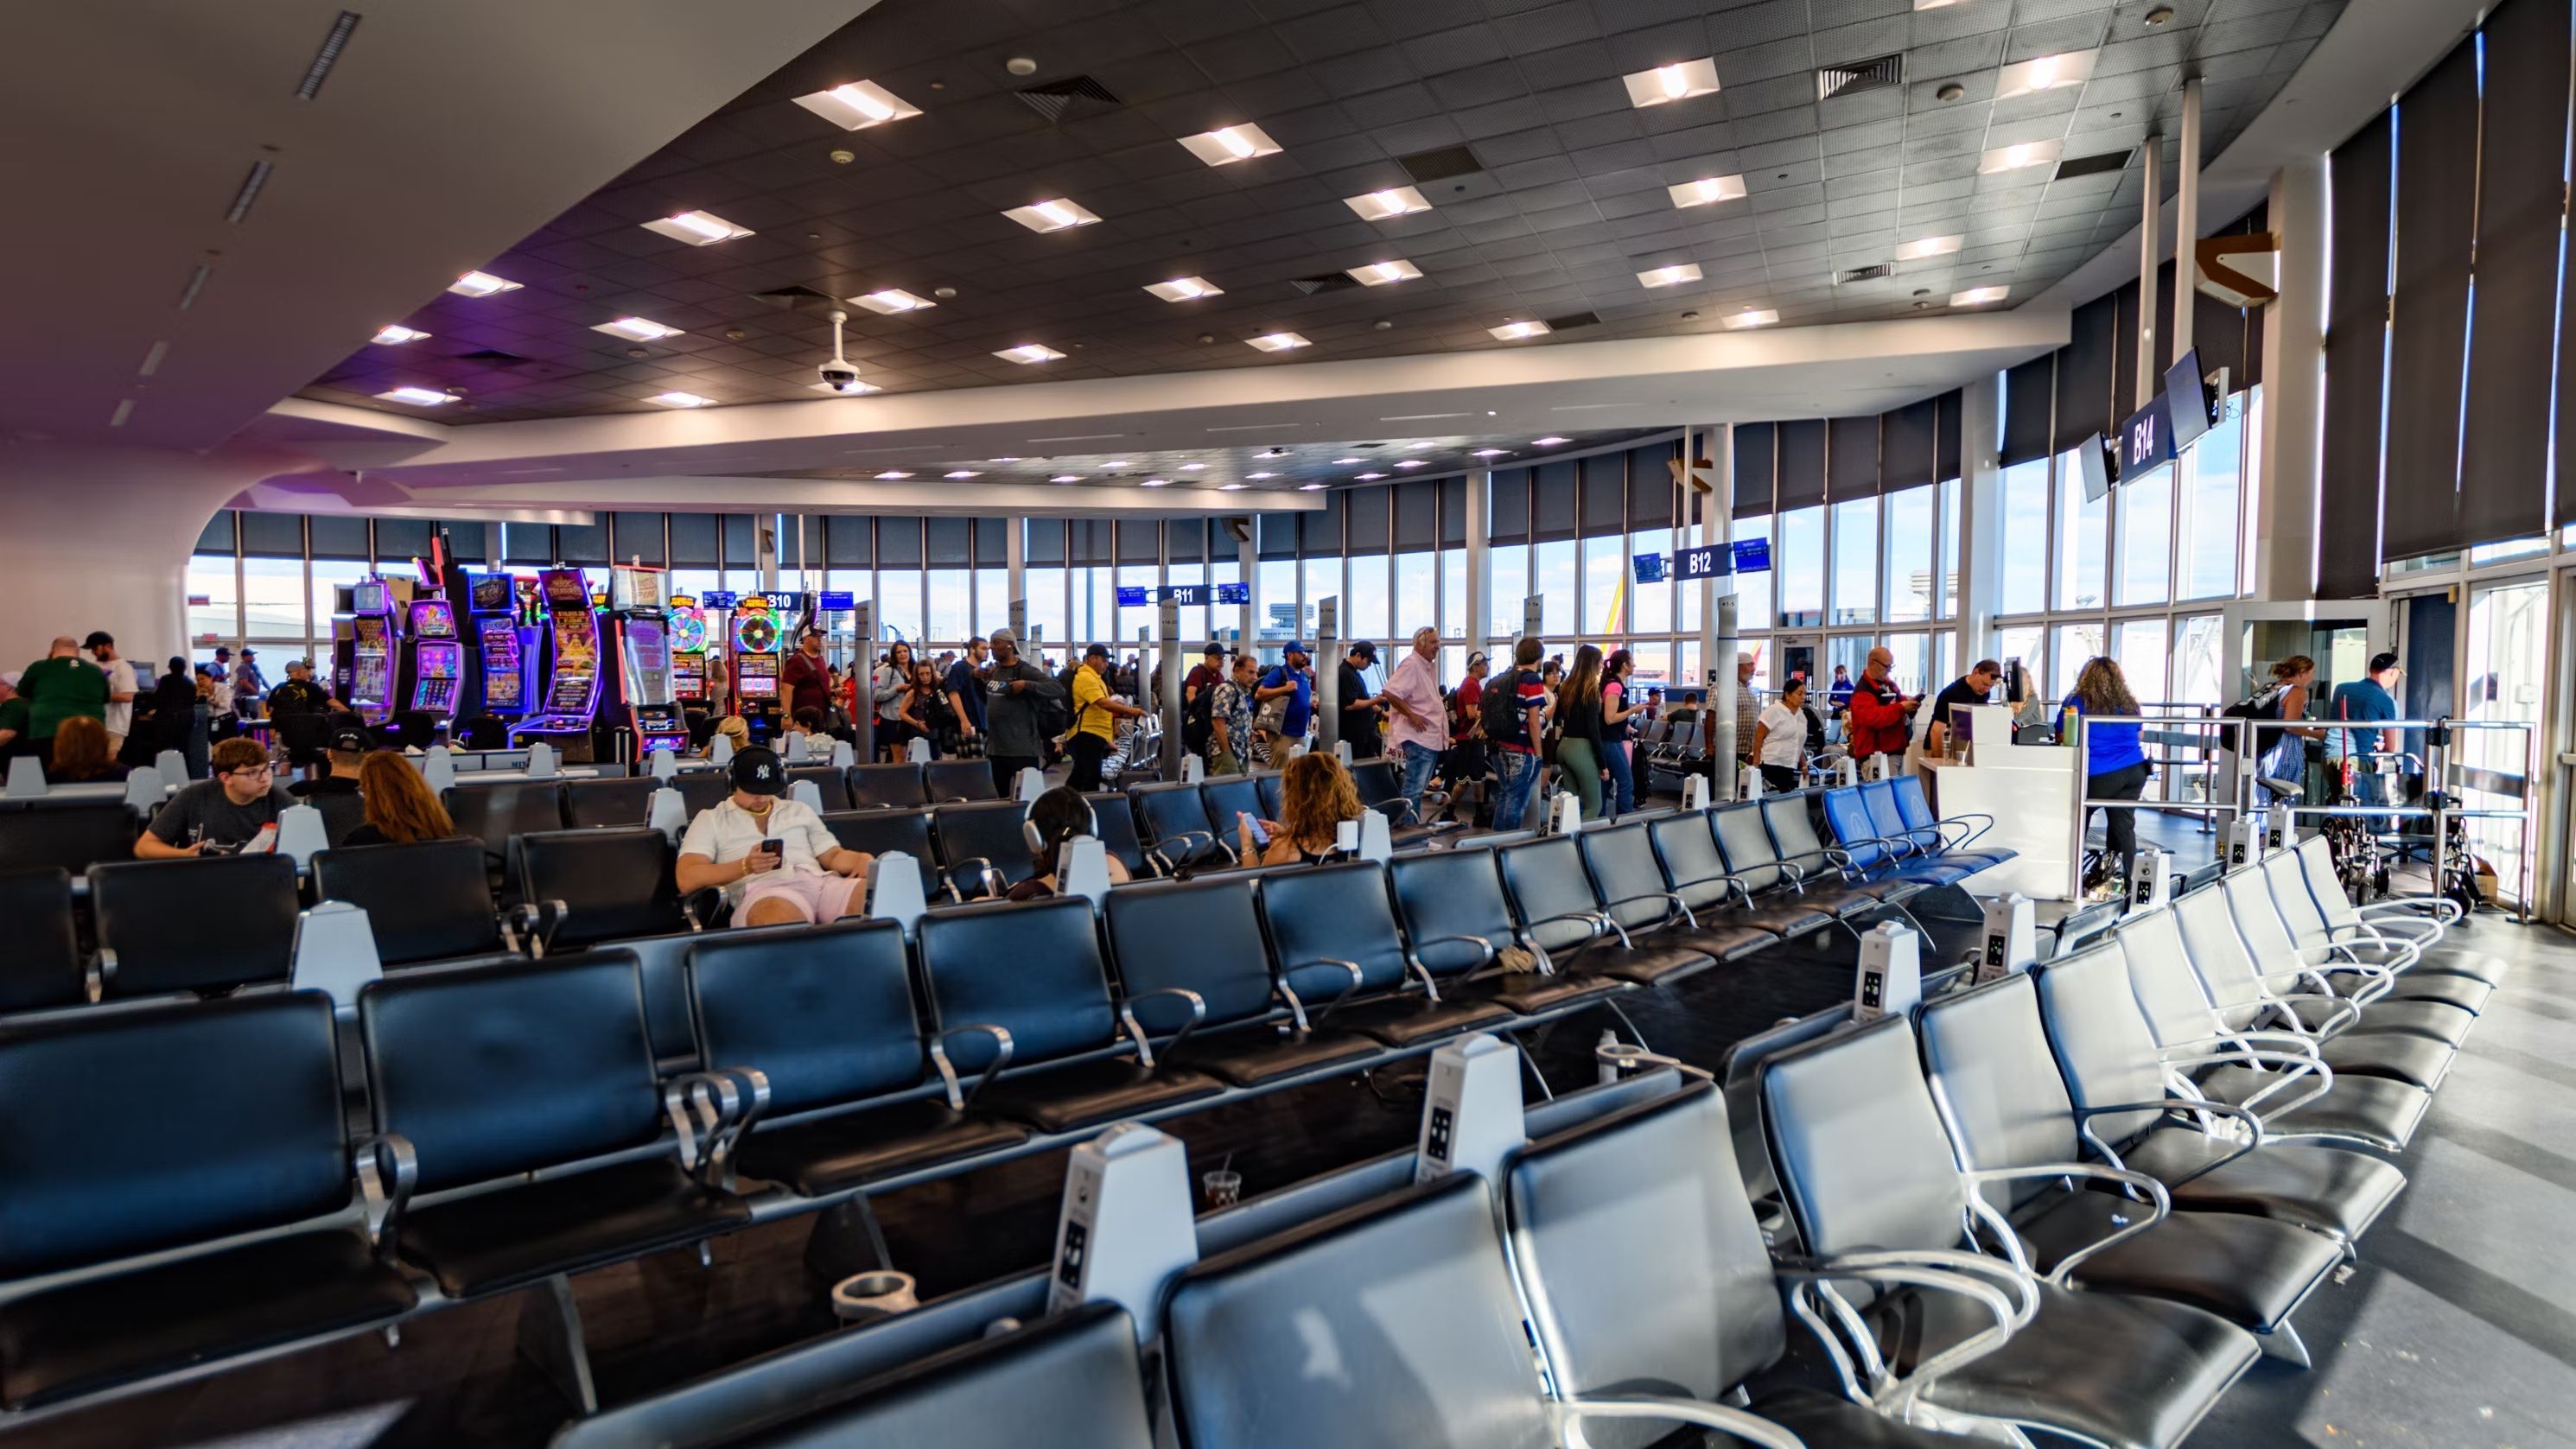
(221, 815)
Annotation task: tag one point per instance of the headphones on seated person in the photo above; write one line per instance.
(1036, 837)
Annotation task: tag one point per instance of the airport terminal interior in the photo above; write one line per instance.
(1838, 723)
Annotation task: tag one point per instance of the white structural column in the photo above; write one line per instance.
(1480, 571)
(1248, 561)
(1981, 529)
(1718, 625)
(2186, 218)
(2151, 252)
(2285, 526)
(1015, 570)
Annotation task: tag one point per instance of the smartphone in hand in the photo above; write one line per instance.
(1259, 835)
(775, 849)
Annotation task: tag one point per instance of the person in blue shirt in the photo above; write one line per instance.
(2368, 699)
(2115, 765)
(1295, 681)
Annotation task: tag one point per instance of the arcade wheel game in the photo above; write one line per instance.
(688, 651)
(759, 649)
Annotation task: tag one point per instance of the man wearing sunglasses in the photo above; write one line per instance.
(221, 815)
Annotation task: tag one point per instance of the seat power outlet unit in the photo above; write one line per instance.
(2011, 941)
(1890, 981)
(2150, 878)
(1125, 1230)
(2280, 828)
(1471, 1110)
(2243, 834)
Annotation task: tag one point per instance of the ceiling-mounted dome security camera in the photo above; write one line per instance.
(838, 374)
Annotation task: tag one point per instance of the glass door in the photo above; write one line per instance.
(2505, 680)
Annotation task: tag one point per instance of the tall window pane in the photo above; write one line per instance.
(1650, 606)
(1800, 562)
(1552, 578)
(1278, 596)
(2139, 646)
(2212, 531)
(992, 600)
(210, 577)
(1046, 604)
(2024, 533)
(1510, 565)
(1752, 591)
(1950, 549)
(2146, 538)
(1193, 617)
(2071, 645)
(1913, 662)
(1909, 555)
(2022, 643)
(273, 600)
(1321, 578)
(1146, 616)
(2195, 662)
(1417, 581)
(1605, 586)
(1855, 598)
(329, 575)
(2083, 538)
(1366, 616)
(1654, 665)
(1453, 593)
(950, 605)
(899, 604)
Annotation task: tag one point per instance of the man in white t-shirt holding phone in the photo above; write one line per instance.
(773, 858)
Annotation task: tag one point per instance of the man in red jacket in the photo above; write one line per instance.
(1876, 719)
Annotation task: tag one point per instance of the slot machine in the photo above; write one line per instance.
(688, 651)
(501, 651)
(759, 648)
(433, 658)
(637, 699)
(563, 713)
(371, 644)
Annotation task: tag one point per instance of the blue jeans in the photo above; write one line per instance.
(1419, 765)
(1623, 781)
(1515, 776)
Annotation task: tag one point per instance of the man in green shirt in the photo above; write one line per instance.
(58, 687)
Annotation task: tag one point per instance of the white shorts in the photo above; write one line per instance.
(817, 898)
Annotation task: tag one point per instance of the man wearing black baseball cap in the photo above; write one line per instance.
(772, 857)
(348, 751)
(1096, 713)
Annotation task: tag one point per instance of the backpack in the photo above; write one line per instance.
(1198, 720)
(1500, 709)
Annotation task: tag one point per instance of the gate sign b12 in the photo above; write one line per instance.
(1710, 561)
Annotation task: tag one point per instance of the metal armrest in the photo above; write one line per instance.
(1748, 1427)
(2298, 1065)
(535, 924)
(1144, 1042)
(1484, 958)
(754, 1086)
(387, 1170)
(1673, 903)
(2253, 1126)
(704, 907)
(1297, 1008)
(700, 1105)
(948, 1072)
(2154, 1190)
(1951, 1270)
(1597, 920)
(987, 879)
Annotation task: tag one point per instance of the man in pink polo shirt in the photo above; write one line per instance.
(1420, 734)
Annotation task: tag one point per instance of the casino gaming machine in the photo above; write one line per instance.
(433, 658)
(500, 648)
(371, 648)
(638, 701)
(571, 700)
(759, 648)
(688, 650)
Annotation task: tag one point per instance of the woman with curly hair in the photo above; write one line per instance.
(1315, 795)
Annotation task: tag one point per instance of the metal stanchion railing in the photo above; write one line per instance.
(2217, 727)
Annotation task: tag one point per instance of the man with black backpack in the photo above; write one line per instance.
(1513, 710)
(1198, 698)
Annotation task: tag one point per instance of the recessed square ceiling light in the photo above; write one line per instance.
(637, 329)
(1185, 289)
(397, 333)
(1066, 478)
(698, 228)
(1001, 460)
(419, 397)
(1514, 331)
(2047, 72)
(1753, 317)
(1412, 463)
(1277, 342)
(1550, 441)
(1228, 144)
(1370, 477)
(1493, 452)
(1378, 274)
(892, 475)
(1979, 296)
(1029, 352)
(962, 473)
(2014, 158)
(1259, 475)
(1347, 462)
(1706, 190)
(1237, 487)
(858, 105)
(1934, 4)
(1668, 83)
(677, 399)
(480, 284)
(1669, 276)
(1056, 215)
(1930, 246)
(1395, 201)
(853, 390)
(1318, 487)
(1192, 467)
(1154, 483)
(892, 300)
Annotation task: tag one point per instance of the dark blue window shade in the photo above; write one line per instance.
(2084, 375)
(1186, 540)
(1852, 458)
(1365, 511)
(1277, 535)
(1650, 485)
(1906, 456)
(848, 542)
(466, 538)
(693, 541)
(582, 543)
(1552, 501)
(272, 535)
(339, 537)
(1802, 464)
(1757, 459)
(2504, 460)
(1319, 534)
(1139, 543)
(1604, 509)
(636, 535)
(1950, 426)
(1453, 512)
(1045, 543)
(2356, 374)
(1417, 513)
(2030, 393)
(899, 543)
(527, 543)
(992, 543)
(2437, 171)
(1507, 519)
(951, 539)
(400, 540)
(218, 534)
(2124, 355)
(741, 543)
(1090, 541)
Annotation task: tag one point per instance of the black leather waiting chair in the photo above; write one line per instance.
(1987, 1059)
(1176, 816)
(1323, 920)
(209, 924)
(341, 814)
(982, 851)
(2117, 1082)
(886, 787)
(1266, 782)
(426, 901)
(1557, 912)
(879, 831)
(825, 1014)
(2359, 1031)
(1829, 873)
(1228, 796)
(1193, 961)
(601, 885)
(2418, 921)
(590, 804)
(1695, 870)
(1628, 878)
(67, 834)
(1866, 1167)
(495, 1073)
(829, 782)
(1020, 1000)
(704, 790)
(1380, 784)
(140, 1132)
(943, 781)
(1455, 914)
(494, 811)
(42, 967)
(1646, 1268)
(1115, 819)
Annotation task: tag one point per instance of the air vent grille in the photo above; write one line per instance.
(1573, 319)
(2106, 162)
(328, 56)
(1864, 274)
(791, 299)
(1328, 282)
(1853, 77)
(1075, 95)
(493, 357)
(1428, 166)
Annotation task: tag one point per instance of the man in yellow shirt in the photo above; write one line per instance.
(1095, 718)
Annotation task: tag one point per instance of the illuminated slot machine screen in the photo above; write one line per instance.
(688, 652)
(372, 681)
(576, 661)
(493, 594)
(437, 665)
(504, 687)
(757, 676)
(648, 661)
